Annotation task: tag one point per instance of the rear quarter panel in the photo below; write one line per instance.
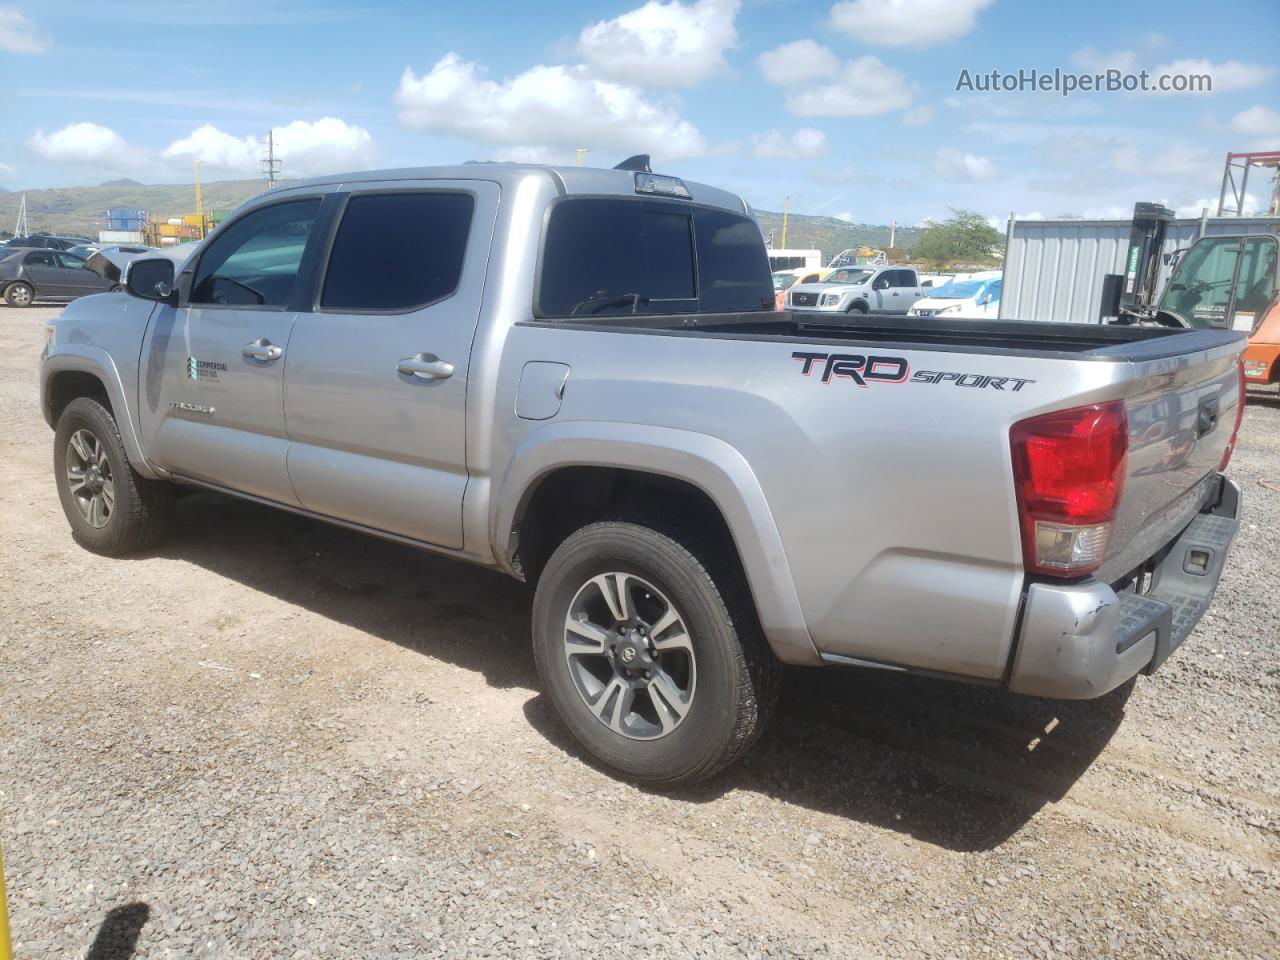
(894, 501)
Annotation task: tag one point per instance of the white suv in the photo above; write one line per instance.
(858, 290)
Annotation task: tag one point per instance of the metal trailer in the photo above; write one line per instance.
(1054, 269)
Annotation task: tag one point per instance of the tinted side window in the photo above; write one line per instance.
(604, 257)
(906, 278)
(733, 267)
(254, 261)
(42, 259)
(398, 251)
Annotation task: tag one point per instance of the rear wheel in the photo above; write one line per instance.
(19, 294)
(653, 662)
(112, 510)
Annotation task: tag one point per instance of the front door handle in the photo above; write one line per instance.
(262, 349)
(425, 366)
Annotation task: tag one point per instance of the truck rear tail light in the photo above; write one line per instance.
(1069, 469)
(1235, 430)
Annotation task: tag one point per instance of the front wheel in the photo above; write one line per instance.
(112, 510)
(859, 308)
(19, 294)
(655, 663)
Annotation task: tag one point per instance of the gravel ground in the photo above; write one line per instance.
(275, 738)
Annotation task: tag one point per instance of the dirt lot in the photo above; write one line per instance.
(276, 738)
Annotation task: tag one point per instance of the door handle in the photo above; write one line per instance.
(425, 366)
(262, 349)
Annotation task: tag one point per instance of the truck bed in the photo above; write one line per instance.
(1001, 337)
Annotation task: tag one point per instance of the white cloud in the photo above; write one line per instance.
(83, 144)
(800, 62)
(906, 23)
(662, 44)
(1228, 75)
(805, 142)
(864, 88)
(1260, 122)
(952, 163)
(1091, 58)
(18, 34)
(1173, 158)
(305, 149)
(6, 170)
(918, 116)
(546, 106)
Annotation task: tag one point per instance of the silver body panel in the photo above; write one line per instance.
(875, 524)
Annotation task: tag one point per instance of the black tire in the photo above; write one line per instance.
(737, 675)
(19, 294)
(142, 509)
(859, 308)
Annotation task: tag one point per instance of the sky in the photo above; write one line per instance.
(868, 110)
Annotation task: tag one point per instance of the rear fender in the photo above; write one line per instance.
(711, 465)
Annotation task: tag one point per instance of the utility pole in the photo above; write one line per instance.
(580, 153)
(20, 230)
(786, 208)
(199, 198)
(270, 165)
(893, 233)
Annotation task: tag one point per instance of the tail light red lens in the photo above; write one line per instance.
(1235, 431)
(1069, 469)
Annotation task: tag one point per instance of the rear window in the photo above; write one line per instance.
(398, 251)
(622, 257)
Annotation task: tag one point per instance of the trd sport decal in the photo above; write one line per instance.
(855, 367)
(865, 370)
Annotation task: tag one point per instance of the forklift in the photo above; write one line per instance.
(1219, 282)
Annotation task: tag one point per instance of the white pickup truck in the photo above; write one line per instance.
(576, 376)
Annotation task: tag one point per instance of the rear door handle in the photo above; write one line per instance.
(262, 349)
(425, 366)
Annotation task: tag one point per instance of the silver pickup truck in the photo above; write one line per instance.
(575, 376)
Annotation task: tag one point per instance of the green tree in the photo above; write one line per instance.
(965, 237)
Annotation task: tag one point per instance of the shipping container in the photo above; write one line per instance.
(120, 236)
(1053, 269)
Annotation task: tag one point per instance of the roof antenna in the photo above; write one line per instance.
(639, 163)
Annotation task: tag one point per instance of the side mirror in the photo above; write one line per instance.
(151, 278)
(986, 299)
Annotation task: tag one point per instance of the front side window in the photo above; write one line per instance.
(617, 257)
(398, 251)
(70, 260)
(254, 261)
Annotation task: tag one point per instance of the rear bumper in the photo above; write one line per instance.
(1083, 640)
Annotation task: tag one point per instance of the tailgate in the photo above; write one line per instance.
(1181, 412)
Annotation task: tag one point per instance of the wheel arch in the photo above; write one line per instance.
(91, 373)
(632, 465)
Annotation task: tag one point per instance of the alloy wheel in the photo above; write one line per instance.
(89, 478)
(630, 655)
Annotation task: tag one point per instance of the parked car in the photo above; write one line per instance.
(41, 241)
(28, 275)
(858, 290)
(977, 298)
(575, 376)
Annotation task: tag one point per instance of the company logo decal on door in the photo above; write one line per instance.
(203, 369)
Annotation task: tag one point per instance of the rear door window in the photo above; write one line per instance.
(42, 259)
(607, 257)
(396, 252)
